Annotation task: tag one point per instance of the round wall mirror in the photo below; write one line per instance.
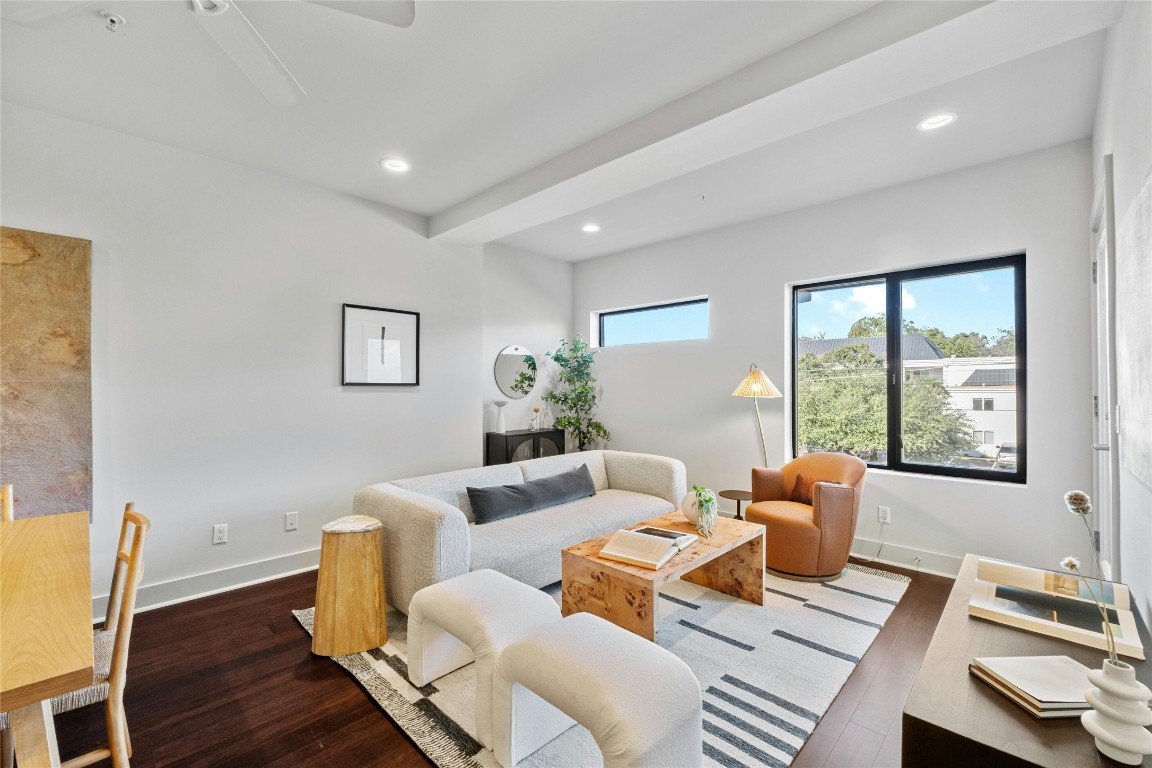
(515, 371)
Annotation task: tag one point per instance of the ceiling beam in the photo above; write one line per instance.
(887, 52)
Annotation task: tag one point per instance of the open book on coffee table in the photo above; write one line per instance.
(646, 547)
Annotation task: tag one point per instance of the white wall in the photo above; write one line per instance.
(675, 398)
(216, 346)
(1124, 130)
(527, 301)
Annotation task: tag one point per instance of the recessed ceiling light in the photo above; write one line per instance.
(591, 227)
(937, 121)
(395, 164)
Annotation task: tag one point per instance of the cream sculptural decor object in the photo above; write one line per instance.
(701, 509)
(1119, 713)
(1119, 701)
(500, 425)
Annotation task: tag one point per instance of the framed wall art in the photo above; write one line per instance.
(46, 367)
(381, 347)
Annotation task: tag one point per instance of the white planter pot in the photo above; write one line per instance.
(704, 520)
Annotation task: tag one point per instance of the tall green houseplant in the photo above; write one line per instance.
(576, 396)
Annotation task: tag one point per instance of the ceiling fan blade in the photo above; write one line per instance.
(31, 13)
(398, 13)
(235, 34)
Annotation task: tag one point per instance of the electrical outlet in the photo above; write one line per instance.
(220, 533)
(291, 521)
(884, 514)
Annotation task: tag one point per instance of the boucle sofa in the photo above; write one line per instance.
(430, 536)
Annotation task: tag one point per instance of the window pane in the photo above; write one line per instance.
(841, 397)
(963, 327)
(666, 322)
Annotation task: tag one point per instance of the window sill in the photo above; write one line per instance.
(946, 478)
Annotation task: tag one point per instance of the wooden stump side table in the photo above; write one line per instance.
(350, 608)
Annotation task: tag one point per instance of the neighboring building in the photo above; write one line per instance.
(982, 387)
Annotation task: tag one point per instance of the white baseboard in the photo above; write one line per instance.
(180, 590)
(905, 557)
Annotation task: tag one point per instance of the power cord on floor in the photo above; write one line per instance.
(878, 549)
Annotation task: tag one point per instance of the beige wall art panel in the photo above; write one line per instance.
(1134, 333)
(46, 371)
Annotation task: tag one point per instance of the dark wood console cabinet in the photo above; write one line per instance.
(951, 719)
(521, 445)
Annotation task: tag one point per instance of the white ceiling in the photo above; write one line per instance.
(1041, 100)
(523, 120)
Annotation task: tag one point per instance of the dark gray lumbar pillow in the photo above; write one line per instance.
(501, 501)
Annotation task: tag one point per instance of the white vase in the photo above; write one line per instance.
(500, 425)
(703, 519)
(688, 508)
(1119, 713)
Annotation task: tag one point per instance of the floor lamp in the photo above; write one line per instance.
(756, 385)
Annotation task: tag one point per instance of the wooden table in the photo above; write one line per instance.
(953, 719)
(45, 626)
(731, 561)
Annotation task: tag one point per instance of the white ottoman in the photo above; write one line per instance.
(640, 702)
(468, 617)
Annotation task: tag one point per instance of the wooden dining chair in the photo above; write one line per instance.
(7, 508)
(110, 650)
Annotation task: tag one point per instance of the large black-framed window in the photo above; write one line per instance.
(889, 367)
(684, 320)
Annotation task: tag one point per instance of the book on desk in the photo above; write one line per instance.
(1045, 686)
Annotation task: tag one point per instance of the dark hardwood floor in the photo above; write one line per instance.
(229, 680)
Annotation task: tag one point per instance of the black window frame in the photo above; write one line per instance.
(646, 308)
(894, 363)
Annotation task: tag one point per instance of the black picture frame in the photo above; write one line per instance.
(398, 364)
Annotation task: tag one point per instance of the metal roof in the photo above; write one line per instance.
(992, 377)
(913, 346)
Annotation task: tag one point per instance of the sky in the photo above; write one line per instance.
(687, 321)
(976, 301)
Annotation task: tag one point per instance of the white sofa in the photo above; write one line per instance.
(430, 536)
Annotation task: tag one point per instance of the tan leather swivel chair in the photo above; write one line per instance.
(802, 541)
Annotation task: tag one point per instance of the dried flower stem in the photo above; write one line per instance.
(1100, 604)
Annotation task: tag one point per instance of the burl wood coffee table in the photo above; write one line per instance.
(731, 561)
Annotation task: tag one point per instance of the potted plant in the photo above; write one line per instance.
(701, 508)
(576, 396)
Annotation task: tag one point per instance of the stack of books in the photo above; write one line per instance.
(1046, 686)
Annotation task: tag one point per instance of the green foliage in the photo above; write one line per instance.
(873, 325)
(841, 403)
(526, 378)
(576, 396)
(934, 431)
(1005, 344)
(967, 344)
(704, 496)
(842, 406)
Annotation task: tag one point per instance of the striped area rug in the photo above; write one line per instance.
(768, 673)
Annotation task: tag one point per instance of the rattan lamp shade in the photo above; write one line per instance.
(756, 384)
